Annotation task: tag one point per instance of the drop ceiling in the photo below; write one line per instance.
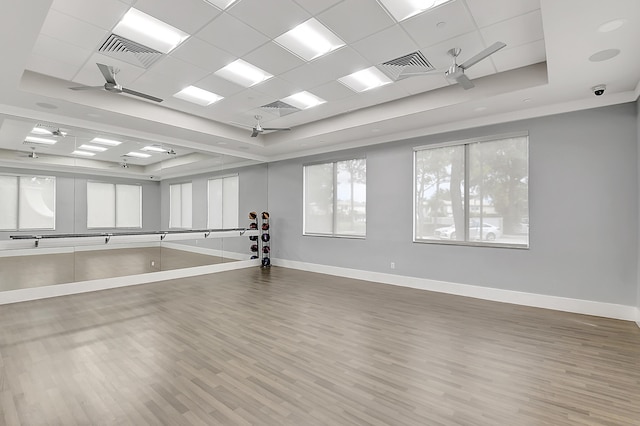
(543, 69)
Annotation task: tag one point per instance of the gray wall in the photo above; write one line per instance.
(638, 133)
(583, 212)
(253, 197)
(71, 202)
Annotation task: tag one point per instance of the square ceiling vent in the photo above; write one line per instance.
(129, 51)
(414, 62)
(280, 108)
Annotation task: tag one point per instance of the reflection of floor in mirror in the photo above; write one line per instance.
(41, 270)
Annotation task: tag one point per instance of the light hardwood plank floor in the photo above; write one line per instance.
(284, 347)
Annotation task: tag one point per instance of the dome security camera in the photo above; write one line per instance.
(599, 89)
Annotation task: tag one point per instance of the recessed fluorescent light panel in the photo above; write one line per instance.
(405, 9)
(303, 100)
(221, 4)
(138, 155)
(197, 96)
(149, 31)
(364, 80)
(93, 148)
(41, 131)
(103, 141)
(154, 148)
(43, 141)
(310, 40)
(83, 153)
(243, 73)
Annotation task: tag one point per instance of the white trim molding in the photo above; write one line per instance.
(579, 306)
(25, 294)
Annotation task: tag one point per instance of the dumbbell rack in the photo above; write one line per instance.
(255, 239)
(265, 238)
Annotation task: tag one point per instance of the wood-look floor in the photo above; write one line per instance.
(19, 272)
(284, 347)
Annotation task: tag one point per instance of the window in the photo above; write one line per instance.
(28, 202)
(180, 201)
(473, 192)
(335, 198)
(114, 205)
(223, 194)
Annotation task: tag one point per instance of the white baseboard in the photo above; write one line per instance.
(207, 251)
(587, 307)
(638, 317)
(26, 294)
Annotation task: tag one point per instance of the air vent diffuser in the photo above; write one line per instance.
(414, 62)
(280, 108)
(129, 51)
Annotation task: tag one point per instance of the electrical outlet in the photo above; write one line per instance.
(393, 265)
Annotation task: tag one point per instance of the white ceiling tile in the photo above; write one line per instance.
(470, 44)
(156, 84)
(90, 74)
(72, 30)
(277, 88)
(60, 51)
(178, 70)
(315, 7)
(232, 35)
(337, 64)
(514, 32)
(424, 28)
(273, 59)
(202, 54)
(241, 102)
(519, 56)
(220, 86)
(499, 10)
(272, 18)
(186, 15)
(340, 19)
(385, 45)
(423, 83)
(50, 66)
(332, 91)
(101, 13)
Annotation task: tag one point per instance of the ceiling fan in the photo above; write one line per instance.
(112, 85)
(456, 72)
(31, 154)
(257, 129)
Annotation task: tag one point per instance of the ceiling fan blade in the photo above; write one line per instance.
(87, 88)
(480, 56)
(276, 128)
(142, 95)
(255, 133)
(464, 81)
(107, 72)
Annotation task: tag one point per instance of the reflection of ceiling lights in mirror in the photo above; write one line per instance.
(611, 25)
(92, 148)
(364, 80)
(197, 96)
(103, 141)
(310, 40)
(153, 148)
(44, 141)
(243, 73)
(83, 153)
(405, 9)
(303, 100)
(149, 31)
(138, 154)
(41, 131)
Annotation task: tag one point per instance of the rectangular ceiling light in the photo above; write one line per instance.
(243, 73)
(103, 141)
(43, 141)
(310, 40)
(41, 131)
(197, 96)
(149, 31)
(366, 79)
(138, 155)
(405, 9)
(93, 148)
(221, 4)
(303, 100)
(83, 153)
(154, 148)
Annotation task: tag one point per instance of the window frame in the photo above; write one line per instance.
(115, 205)
(18, 177)
(221, 178)
(466, 143)
(334, 201)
